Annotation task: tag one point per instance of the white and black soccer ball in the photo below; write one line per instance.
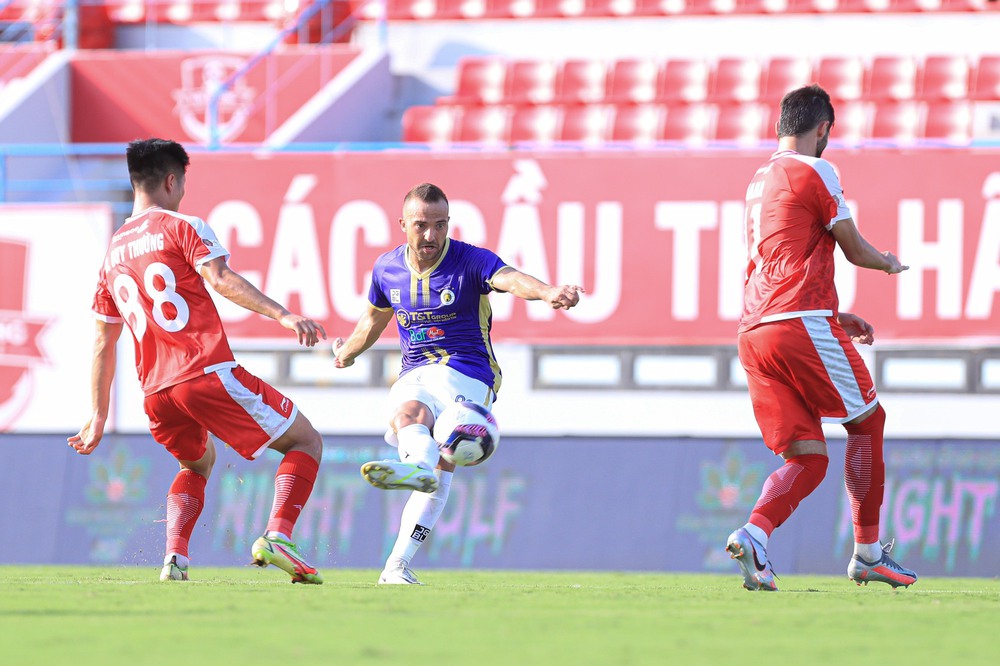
(466, 433)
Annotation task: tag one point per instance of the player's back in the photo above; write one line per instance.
(792, 203)
(150, 281)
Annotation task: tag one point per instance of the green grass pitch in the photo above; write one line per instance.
(247, 616)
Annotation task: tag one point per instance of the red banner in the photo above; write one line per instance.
(176, 88)
(656, 238)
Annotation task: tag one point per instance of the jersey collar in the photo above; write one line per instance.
(422, 276)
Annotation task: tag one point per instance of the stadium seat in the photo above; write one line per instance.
(684, 81)
(945, 77)
(640, 124)
(585, 124)
(461, 9)
(531, 82)
(690, 123)
(660, 7)
(743, 124)
(487, 125)
(891, 78)
(429, 124)
(560, 8)
(896, 121)
(397, 10)
(736, 80)
(761, 6)
(581, 82)
(949, 121)
(480, 81)
(851, 127)
(535, 124)
(784, 75)
(986, 84)
(843, 78)
(634, 81)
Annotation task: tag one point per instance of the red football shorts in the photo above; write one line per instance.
(801, 373)
(241, 410)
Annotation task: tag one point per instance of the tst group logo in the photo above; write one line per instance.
(19, 332)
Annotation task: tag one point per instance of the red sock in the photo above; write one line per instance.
(184, 503)
(785, 488)
(293, 484)
(864, 474)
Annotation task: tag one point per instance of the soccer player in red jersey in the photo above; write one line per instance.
(796, 348)
(153, 281)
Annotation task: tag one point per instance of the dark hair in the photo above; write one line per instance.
(150, 160)
(427, 193)
(803, 110)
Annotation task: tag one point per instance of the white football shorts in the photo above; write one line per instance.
(437, 386)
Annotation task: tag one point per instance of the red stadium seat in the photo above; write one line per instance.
(488, 125)
(660, 7)
(950, 121)
(691, 123)
(559, 8)
(896, 121)
(531, 82)
(582, 82)
(408, 9)
(429, 124)
(461, 9)
(843, 78)
(761, 6)
(743, 124)
(784, 75)
(852, 122)
(684, 81)
(736, 80)
(892, 78)
(634, 81)
(535, 124)
(986, 85)
(640, 124)
(945, 77)
(585, 124)
(480, 81)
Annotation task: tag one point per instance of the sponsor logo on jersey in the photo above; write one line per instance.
(425, 334)
(407, 319)
(403, 317)
(394, 296)
(447, 297)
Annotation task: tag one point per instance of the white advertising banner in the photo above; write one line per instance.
(49, 258)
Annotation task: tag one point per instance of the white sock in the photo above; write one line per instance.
(869, 552)
(416, 446)
(759, 535)
(182, 560)
(420, 515)
(277, 535)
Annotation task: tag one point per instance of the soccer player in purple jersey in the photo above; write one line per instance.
(437, 291)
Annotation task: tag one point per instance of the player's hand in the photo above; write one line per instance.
(306, 330)
(894, 265)
(338, 361)
(565, 296)
(88, 438)
(860, 331)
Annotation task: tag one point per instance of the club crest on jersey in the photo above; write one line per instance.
(447, 297)
(394, 296)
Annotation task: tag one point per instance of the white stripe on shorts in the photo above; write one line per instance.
(270, 420)
(838, 367)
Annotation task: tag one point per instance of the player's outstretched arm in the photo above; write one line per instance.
(366, 333)
(860, 331)
(860, 252)
(102, 373)
(529, 288)
(230, 284)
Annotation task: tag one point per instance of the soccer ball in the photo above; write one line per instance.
(466, 434)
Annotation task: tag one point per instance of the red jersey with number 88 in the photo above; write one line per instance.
(150, 281)
(793, 202)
